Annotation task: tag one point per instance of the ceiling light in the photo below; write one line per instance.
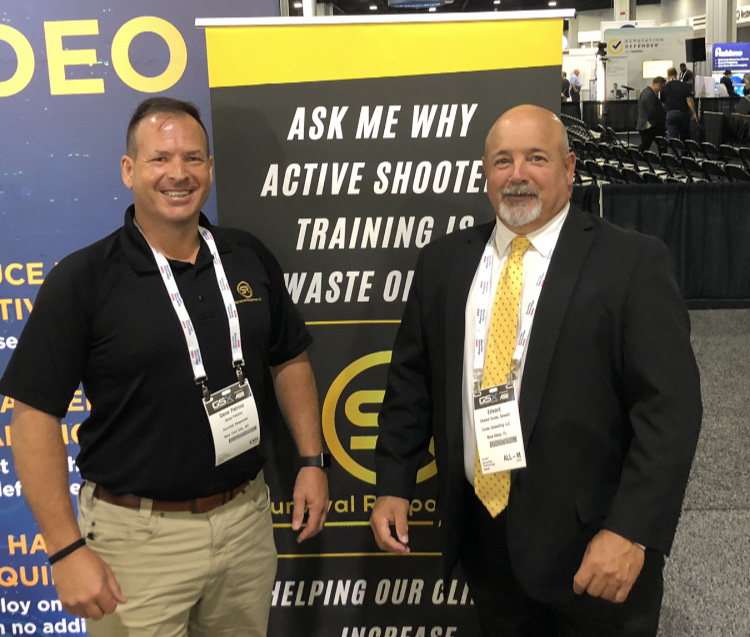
(497, 1)
(432, 9)
(297, 5)
(552, 3)
(373, 7)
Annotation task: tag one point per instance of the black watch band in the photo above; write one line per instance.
(322, 460)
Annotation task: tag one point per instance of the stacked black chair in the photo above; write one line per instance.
(602, 132)
(619, 140)
(631, 176)
(576, 128)
(735, 173)
(678, 148)
(729, 154)
(714, 171)
(581, 176)
(651, 178)
(640, 163)
(595, 171)
(692, 169)
(614, 176)
(653, 160)
(694, 149)
(674, 168)
(661, 145)
(711, 152)
(591, 149)
(579, 148)
(744, 153)
(583, 172)
(623, 157)
(606, 152)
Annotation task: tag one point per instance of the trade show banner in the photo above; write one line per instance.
(346, 146)
(734, 56)
(636, 55)
(71, 74)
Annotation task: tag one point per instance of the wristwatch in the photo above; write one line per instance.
(322, 460)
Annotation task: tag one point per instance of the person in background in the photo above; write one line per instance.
(677, 98)
(686, 75)
(575, 86)
(651, 117)
(726, 80)
(616, 92)
(565, 88)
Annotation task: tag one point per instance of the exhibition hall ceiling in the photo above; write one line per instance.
(352, 7)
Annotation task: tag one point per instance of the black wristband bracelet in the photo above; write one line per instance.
(56, 557)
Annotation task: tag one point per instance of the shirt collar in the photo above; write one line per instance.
(139, 253)
(543, 240)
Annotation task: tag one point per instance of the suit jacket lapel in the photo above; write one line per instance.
(575, 239)
(465, 259)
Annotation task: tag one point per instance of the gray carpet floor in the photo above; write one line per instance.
(707, 577)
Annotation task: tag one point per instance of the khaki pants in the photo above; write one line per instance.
(185, 574)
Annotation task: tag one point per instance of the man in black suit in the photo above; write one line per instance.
(605, 385)
(564, 87)
(616, 92)
(652, 120)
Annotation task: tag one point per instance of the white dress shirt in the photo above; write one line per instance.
(543, 242)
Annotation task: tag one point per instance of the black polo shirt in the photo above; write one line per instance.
(675, 94)
(103, 317)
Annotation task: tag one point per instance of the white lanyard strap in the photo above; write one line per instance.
(226, 295)
(196, 360)
(483, 311)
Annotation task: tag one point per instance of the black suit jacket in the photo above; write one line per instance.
(610, 402)
(650, 110)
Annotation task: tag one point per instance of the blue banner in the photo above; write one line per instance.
(734, 56)
(71, 74)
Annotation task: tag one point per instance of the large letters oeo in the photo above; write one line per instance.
(61, 55)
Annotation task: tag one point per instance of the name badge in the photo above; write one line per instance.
(233, 416)
(497, 425)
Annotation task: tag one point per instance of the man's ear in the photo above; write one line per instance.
(570, 167)
(126, 165)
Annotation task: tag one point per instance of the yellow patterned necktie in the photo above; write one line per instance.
(493, 489)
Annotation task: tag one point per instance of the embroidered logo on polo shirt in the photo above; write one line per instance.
(246, 292)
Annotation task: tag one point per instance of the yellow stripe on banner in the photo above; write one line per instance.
(357, 322)
(254, 55)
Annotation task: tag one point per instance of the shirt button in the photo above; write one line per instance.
(200, 297)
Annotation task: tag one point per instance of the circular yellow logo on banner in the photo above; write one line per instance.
(615, 46)
(357, 432)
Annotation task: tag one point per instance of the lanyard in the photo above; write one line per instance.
(484, 311)
(196, 360)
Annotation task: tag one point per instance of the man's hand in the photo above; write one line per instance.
(609, 568)
(311, 495)
(390, 510)
(86, 585)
